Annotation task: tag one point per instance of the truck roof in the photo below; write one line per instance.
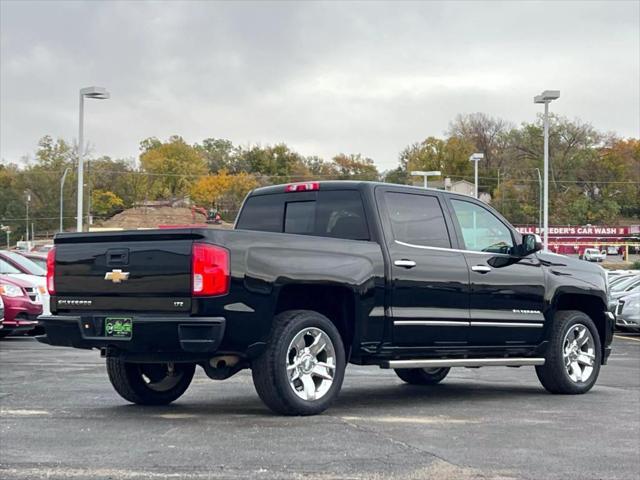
(342, 185)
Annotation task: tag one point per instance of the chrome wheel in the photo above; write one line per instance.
(578, 351)
(311, 363)
(160, 377)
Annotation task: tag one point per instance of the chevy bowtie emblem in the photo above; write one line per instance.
(116, 275)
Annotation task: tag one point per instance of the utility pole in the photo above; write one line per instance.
(546, 97)
(28, 200)
(64, 176)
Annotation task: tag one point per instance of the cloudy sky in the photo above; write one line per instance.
(322, 77)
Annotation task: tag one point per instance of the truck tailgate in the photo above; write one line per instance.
(115, 269)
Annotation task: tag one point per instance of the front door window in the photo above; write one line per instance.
(481, 230)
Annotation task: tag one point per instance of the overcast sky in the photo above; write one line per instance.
(322, 77)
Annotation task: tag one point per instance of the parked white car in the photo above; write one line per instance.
(594, 255)
(628, 312)
(623, 289)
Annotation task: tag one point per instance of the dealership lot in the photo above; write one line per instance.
(60, 418)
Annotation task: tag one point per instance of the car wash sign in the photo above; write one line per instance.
(586, 231)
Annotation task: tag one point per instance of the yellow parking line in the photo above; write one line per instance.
(628, 338)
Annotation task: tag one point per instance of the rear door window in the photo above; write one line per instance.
(417, 219)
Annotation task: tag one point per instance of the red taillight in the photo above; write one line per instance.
(302, 187)
(209, 270)
(51, 271)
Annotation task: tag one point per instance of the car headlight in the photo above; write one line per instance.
(11, 291)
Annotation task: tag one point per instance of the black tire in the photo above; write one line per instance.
(4, 333)
(269, 371)
(422, 376)
(129, 382)
(554, 375)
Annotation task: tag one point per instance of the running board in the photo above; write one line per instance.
(464, 362)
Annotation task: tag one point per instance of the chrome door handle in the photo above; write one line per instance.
(481, 268)
(405, 263)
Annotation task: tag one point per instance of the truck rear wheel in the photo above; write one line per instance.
(422, 376)
(302, 368)
(573, 357)
(149, 383)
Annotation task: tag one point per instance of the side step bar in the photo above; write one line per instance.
(463, 362)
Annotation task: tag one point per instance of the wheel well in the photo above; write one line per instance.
(334, 302)
(592, 306)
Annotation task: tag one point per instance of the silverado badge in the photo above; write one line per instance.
(116, 275)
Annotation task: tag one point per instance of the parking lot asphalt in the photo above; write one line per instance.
(60, 418)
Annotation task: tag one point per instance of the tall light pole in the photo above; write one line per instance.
(546, 98)
(98, 93)
(420, 173)
(64, 176)
(539, 202)
(476, 157)
(27, 194)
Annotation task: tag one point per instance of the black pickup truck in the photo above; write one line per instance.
(319, 274)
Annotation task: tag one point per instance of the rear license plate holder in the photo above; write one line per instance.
(118, 327)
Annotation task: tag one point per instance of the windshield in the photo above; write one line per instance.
(30, 267)
(41, 262)
(623, 284)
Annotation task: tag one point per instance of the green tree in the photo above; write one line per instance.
(105, 203)
(355, 167)
(221, 154)
(173, 165)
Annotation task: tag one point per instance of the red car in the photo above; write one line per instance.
(20, 309)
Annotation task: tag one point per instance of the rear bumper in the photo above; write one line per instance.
(152, 336)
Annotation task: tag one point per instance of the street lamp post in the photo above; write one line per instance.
(420, 173)
(27, 201)
(546, 98)
(476, 157)
(539, 201)
(98, 93)
(64, 176)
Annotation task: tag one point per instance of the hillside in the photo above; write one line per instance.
(152, 217)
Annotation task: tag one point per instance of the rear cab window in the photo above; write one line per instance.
(329, 213)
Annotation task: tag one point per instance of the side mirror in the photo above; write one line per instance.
(530, 243)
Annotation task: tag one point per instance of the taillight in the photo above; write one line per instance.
(302, 187)
(51, 271)
(209, 270)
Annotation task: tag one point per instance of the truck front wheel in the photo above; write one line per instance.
(302, 368)
(149, 383)
(422, 376)
(573, 357)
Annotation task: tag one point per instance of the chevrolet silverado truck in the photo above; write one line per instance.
(316, 275)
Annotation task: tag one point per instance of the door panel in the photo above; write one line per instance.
(506, 303)
(429, 299)
(506, 293)
(430, 302)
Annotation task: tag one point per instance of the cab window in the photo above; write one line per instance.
(481, 230)
(417, 219)
(331, 213)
